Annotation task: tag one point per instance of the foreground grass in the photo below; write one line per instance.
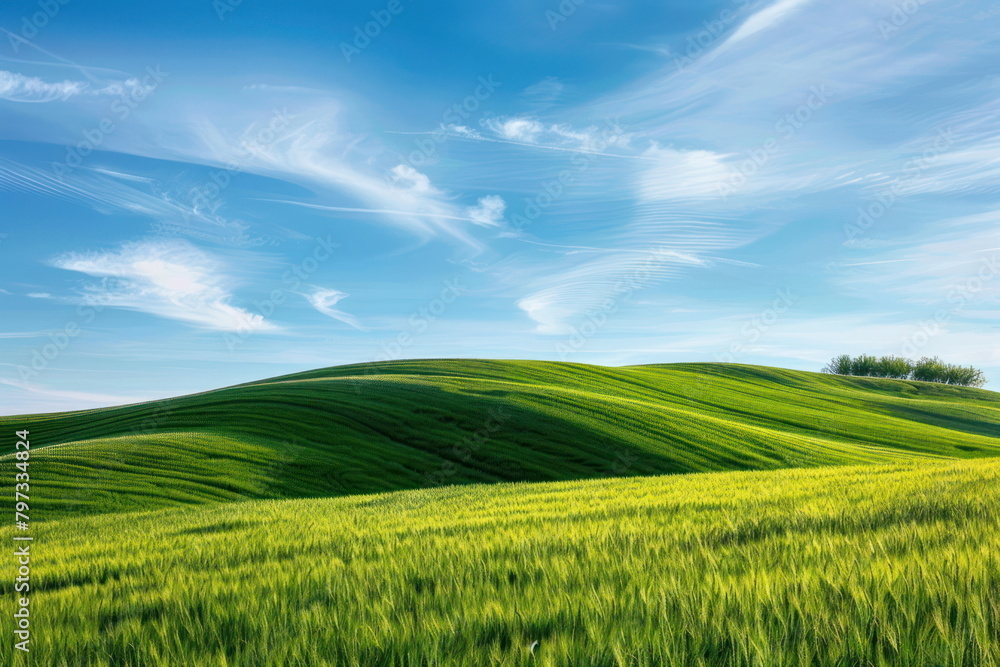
(877, 565)
(413, 424)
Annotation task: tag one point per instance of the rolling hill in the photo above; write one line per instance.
(381, 427)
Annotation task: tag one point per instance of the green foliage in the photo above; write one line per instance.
(893, 367)
(927, 369)
(895, 566)
(839, 365)
(412, 424)
(864, 365)
(966, 376)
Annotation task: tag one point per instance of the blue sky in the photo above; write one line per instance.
(221, 192)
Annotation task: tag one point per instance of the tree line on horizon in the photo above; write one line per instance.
(926, 369)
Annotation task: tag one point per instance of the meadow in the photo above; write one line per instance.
(870, 565)
(474, 512)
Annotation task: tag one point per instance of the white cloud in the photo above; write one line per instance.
(463, 131)
(17, 87)
(171, 279)
(957, 269)
(556, 136)
(488, 212)
(109, 191)
(412, 180)
(764, 19)
(517, 128)
(324, 301)
(545, 92)
(80, 399)
(602, 284)
(20, 88)
(681, 174)
(548, 311)
(592, 138)
(309, 148)
(23, 334)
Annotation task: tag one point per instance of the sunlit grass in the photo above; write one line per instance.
(877, 565)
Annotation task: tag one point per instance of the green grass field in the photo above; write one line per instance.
(413, 424)
(456, 512)
(873, 565)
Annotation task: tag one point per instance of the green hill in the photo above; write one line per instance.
(412, 424)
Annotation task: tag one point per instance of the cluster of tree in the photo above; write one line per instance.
(927, 369)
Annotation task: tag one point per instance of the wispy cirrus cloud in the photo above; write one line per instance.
(612, 277)
(112, 192)
(764, 19)
(308, 146)
(324, 300)
(169, 279)
(314, 150)
(554, 136)
(80, 398)
(730, 142)
(17, 87)
(953, 263)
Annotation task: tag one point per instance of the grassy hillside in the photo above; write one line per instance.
(895, 565)
(413, 424)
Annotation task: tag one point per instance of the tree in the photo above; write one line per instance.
(894, 367)
(840, 365)
(927, 369)
(930, 369)
(864, 365)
